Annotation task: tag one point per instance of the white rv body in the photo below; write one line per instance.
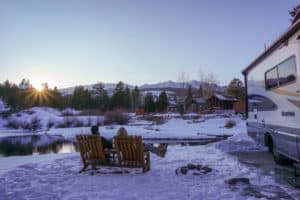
(273, 95)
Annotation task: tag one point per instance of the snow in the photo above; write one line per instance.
(221, 97)
(45, 118)
(205, 127)
(3, 106)
(55, 176)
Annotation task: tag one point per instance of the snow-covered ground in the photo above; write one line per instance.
(173, 128)
(55, 176)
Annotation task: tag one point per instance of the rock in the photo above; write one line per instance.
(198, 167)
(234, 181)
(197, 174)
(206, 169)
(191, 166)
(184, 170)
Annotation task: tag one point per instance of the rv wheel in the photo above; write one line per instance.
(278, 158)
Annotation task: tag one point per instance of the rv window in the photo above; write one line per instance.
(287, 71)
(271, 78)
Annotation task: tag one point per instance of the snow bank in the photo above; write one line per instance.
(240, 143)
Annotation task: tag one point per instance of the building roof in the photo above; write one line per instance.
(199, 100)
(224, 98)
(280, 40)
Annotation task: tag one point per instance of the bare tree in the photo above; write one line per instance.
(183, 78)
(210, 81)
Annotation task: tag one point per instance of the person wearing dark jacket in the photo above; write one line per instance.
(105, 143)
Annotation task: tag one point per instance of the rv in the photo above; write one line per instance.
(272, 83)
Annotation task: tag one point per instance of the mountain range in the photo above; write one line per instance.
(172, 86)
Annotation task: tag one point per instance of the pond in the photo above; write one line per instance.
(47, 144)
(35, 145)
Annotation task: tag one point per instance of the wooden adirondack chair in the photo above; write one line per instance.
(130, 152)
(91, 151)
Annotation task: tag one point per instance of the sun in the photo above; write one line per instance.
(39, 88)
(37, 85)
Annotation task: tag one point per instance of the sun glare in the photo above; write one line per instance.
(38, 86)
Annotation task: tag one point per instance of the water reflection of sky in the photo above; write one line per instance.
(35, 145)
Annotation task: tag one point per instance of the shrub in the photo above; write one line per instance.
(66, 123)
(91, 112)
(30, 112)
(50, 124)
(115, 117)
(35, 124)
(69, 112)
(99, 121)
(32, 125)
(11, 123)
(230, 124)
(156, 119)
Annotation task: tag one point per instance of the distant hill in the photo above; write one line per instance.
(168, 86)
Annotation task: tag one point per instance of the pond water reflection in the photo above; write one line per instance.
(35, 145)
(47, 144)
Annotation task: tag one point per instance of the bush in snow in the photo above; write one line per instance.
(156, 119)
(32, 124)
(66, 123)
(50, 124)
(115, 117)
(69, 112)
(230, 124)
(71, 122)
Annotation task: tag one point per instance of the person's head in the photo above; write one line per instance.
(122, 132)
(95, 130)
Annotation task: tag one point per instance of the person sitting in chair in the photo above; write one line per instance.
(106, 143)
(160, 150)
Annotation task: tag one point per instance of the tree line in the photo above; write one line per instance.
(23, 96)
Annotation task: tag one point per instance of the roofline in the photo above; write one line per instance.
(285, 36)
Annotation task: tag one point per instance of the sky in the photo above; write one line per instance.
(76, 42)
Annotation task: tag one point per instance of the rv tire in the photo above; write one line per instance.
(279, 158)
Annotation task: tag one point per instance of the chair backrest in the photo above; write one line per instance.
(129, 150)
(91, 148)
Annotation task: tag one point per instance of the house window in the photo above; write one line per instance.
(281, 74)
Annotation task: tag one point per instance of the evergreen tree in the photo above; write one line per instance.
(149, 105)
(236, 88)
(200, 91)
(81, 98)
(118, 100)
(127, 98)
(100, 97)
(189, 97)
(136, 97)
(162, 102)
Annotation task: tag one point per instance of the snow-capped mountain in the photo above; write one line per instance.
(167, 86)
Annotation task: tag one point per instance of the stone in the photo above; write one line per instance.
(234, 181)
(184, 170)
(206, 169)
(191, 166)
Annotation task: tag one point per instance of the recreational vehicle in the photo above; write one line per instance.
(272, 83)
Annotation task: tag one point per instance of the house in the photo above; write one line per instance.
(172, 106)
(197, 105)
(219, 101)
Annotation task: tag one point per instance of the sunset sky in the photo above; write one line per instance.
(73, 42)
